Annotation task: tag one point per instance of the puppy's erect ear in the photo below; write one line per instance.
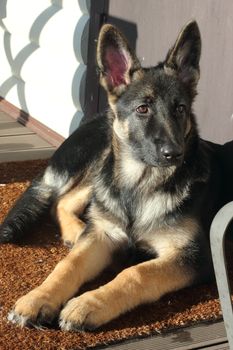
(184, 56)
(116, 61)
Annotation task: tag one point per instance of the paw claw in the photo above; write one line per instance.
(69, 326)
(68, 244)
(15, 318)
(66, 325)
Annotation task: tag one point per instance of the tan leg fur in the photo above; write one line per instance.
(69, 207)
(133, 286)
(145, 282)
(142, 283)
(86, 260)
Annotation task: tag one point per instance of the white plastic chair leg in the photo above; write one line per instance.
(217, 242)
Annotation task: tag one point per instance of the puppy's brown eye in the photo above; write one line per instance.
(143, 109)
(180, 109)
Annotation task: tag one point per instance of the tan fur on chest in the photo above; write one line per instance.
(152, 210)
(169, 240)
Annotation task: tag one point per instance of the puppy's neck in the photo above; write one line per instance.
(127, 169)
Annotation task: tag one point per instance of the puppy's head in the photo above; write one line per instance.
(152, 107)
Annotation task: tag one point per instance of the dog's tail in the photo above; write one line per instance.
(30, 207)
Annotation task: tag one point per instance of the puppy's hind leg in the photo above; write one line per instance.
(69, 207)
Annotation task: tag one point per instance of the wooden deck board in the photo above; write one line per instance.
(12, 129)
(5, 118)
(22, 142)
(217, 347)
(18, 142)
(30, 154)
(204, 336)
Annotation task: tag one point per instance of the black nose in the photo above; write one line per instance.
(171, 153)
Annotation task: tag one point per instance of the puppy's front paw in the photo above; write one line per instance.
(34, 309)
(86, 312)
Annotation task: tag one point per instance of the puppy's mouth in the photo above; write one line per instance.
(164, 162)
(173, 161)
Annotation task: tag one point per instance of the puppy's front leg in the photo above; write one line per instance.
(136, 285)
(86, 260)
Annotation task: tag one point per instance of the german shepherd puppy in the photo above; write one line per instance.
(149, 182)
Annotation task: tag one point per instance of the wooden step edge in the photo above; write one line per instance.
(25, 119)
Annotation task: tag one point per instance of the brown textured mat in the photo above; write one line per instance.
(24, 267)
